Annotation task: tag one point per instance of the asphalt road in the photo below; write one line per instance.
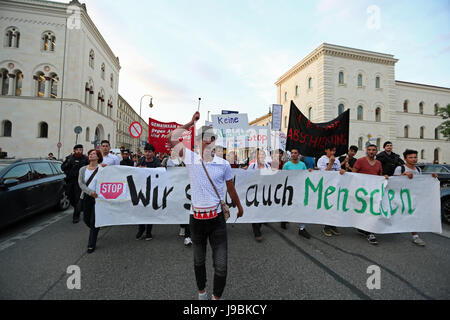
(35, 255)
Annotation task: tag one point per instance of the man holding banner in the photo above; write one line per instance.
(208, 175)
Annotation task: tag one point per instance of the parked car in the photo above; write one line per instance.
(445, 204)
(30, 186)
(442, 171)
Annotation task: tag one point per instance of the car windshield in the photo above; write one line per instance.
(435, 169)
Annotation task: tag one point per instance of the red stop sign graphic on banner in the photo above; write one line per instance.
(111, 190)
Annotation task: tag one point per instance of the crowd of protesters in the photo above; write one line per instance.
(209, 169)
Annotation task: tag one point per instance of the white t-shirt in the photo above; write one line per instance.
(203, 196)
(111, 160)
(88, 173)
(398, 171)
(254, 166)
(323, 162)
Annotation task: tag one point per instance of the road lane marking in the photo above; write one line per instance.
(28, 233)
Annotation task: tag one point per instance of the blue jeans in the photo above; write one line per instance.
(214, 230)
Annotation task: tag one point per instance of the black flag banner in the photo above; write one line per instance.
(311, 138)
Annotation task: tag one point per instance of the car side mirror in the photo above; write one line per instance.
(9, 183)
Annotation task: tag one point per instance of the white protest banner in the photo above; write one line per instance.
(230, 121)
(130, 196)
(277, 110)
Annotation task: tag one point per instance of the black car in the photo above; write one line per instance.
(30, 186)
(442, 171)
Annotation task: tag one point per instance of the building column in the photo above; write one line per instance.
(47, 87)
(11, 84)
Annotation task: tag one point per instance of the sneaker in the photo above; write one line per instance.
(372, 240)
(90, 250)
(148, 237)
(182, 232)
(75, 220)
(139, 235)
(284, 225)
(418, 241)
(304, 233)
(258, 239)
(335, 231)
(187, 242)
(327, 231)
(214, 298)
(203, 296)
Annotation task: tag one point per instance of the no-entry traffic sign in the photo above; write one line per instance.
(136, 130)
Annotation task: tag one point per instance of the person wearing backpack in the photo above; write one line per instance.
(409, 169)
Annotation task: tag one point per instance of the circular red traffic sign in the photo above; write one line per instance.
(59, 145)
(136, 130)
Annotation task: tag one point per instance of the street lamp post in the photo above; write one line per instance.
(150, 105)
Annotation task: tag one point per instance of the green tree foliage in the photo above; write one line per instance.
(444, 128)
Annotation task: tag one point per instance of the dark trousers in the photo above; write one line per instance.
(149, 228)
(89, 212)
(214, 230)
(187, 230)
(73, 193)
(257, 229)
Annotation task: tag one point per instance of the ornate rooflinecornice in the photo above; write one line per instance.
(31, 21)
(338, 51)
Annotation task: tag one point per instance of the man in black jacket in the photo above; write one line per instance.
(126, 159)
(71, 167)
(389, 160)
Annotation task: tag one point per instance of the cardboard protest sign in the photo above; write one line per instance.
(311, 138)
(160, 130)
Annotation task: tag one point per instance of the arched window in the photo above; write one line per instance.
(88, 133)
(86, 93)
(406, 131)
(360, 80)
(12, 37)
(340, 109)
(54, 86)
(103, 71)
(112, 81)
(422, 154)
(296, 90)
(285, 96)
(43, 130)
(436, 154)
(91, 59)
(341, 77)
(436, 134)
(19, 81)
(421, 108)
(99, 102)
(5, 82)
(40, 84)
(377, 83)
(405, 106)
(360, 143)
(422, 132)
(310, 83)
(436, 109)
(379, 143)
(6, 128)
(378, 115)
(310, 113)
(48, 41)
(360, 113)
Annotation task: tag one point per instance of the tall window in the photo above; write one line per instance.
(12, 37)
(40, 84)
(86, 93)
(54, 86)
(296, 90)
(436, 109)
(378, 115)
(310, 113)
(285, 122)
(43, 130)
(91, 59)
(436, 154)
(360, 113)
(88, 133)
(360, 80)
(112, 81)
(360, 143)
(377, 82)
(405, 106)
(341, 77)
(421, 108)
(6, 128)
(422, 154)
(48, 41)
(19, 81)
(285, 96)
(5, 82)
(406, 131)
(103, 71)
(379, 143)
(340, 109)
(310, 83)
(436, 134)
(422, 132)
